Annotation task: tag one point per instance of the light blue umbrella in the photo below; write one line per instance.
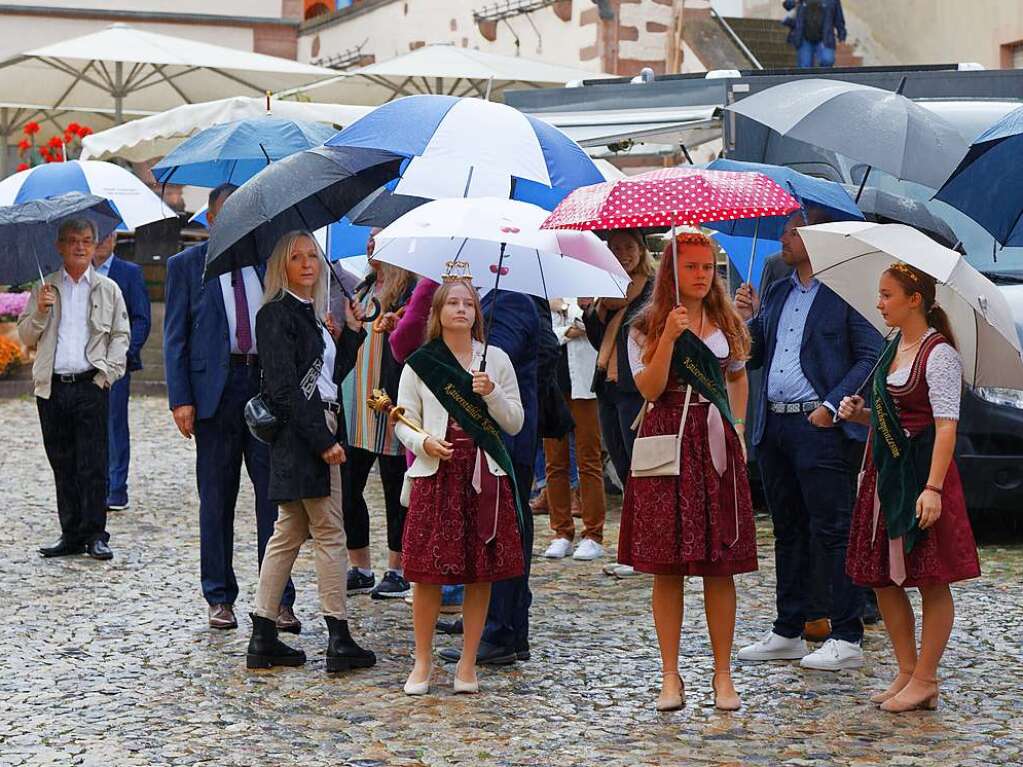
(236, 151)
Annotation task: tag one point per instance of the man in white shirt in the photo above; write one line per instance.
(78, 323)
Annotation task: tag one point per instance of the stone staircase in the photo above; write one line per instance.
(766, 39)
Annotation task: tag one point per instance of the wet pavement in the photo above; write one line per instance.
(112, 663)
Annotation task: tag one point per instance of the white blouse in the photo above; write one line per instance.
(944, 376)
(717, 342)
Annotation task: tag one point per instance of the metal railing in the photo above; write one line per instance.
(736, 39)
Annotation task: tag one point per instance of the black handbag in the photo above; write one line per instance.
(262, 423)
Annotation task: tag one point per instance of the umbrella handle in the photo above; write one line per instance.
(868, 379)
(375, 313)
(493, 309)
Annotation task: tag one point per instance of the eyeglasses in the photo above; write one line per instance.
(79, 241)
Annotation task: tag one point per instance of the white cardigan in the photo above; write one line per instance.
(422, 407)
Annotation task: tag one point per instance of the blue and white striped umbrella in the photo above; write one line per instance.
(135, 202)
(464, 147)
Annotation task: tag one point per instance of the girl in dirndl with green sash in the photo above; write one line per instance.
(910, 527)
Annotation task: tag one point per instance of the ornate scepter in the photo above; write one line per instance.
(379, 402)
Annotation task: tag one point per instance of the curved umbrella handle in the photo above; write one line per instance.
(374, 313)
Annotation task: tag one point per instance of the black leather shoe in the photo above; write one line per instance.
(62, 548)
(523, 653)
(871, 614)
(450, 627)
(98, 549)
(487, 655)
(342, 651)
(266, 650)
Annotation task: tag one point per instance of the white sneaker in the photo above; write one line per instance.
(774, 647)
(834, 655)
(624, 571)
(609, 568)
(587, 550)
(559, 549)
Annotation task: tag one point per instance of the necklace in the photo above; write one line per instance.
(904, 349)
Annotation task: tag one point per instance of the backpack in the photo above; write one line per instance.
(813, 21)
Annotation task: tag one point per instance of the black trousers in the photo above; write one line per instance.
(74, 426)
(354, 475)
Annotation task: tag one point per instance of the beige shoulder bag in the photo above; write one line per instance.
(659, 456)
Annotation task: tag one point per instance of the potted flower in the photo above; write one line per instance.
(11, 307)
(57, 148)
(10, 356)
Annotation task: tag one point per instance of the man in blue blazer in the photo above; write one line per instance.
(129, 279)
(814, 349)
(212, 368)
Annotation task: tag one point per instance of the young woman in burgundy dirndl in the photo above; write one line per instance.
(910, 527)
(462, 525)
(700, 521)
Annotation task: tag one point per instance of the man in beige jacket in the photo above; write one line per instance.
(78, 323)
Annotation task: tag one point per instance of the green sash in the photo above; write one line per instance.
(694, 364)
(898, 458)
(437, 367)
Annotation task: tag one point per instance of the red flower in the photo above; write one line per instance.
(23, 166)
(55, 141)
(68, 136)
(24, 145)
(44, 152)
(73, 127)
(31, 128)
(84, 131)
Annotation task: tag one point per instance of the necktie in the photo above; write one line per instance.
(243, 329)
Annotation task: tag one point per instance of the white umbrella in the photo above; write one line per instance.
(157, 135)
(849, 257)
(134, 201)
(504, 246)
(444, 70)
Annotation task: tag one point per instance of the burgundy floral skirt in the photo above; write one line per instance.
(946, 553)
(442, 542)
(697, 523)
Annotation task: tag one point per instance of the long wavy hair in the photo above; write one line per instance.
(397, 284)
(275, 283)
(440, 297)
(912, 280)
(717, 304)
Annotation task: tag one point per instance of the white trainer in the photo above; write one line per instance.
(625, 571)
(834, 655)
(559, 549)
(774, 647)
(587, 550)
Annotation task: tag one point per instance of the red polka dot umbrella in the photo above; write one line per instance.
(684, 196)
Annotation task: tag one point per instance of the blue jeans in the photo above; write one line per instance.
(810, 485)
(118, 443)
(221, 444)
(814, 55)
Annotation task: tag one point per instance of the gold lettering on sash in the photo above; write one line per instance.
(472, 411)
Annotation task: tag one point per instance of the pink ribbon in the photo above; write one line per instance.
(896, 554)
(487, 486)
(716, 437)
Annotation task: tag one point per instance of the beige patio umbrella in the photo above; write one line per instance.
(441, 69)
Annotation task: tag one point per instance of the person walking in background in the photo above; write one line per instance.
(212, 366)
(576, 365)
(132, 283)
(910, 527)
(698, 520)
(815, 349)
(78, 324)
(371, 436)
(463, 525)
(814, 27)
(304, 355)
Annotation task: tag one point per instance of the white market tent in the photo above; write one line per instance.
(440, 69)
(132, 71)
(155, 136)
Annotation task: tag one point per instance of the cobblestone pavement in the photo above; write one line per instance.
(112, 663)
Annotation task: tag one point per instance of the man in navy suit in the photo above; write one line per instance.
(814, 349)
(516, 328)
(212, 368)
(129, 279)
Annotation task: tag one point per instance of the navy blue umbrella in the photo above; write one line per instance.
(236, 151)
(988, 184)
(28, 232)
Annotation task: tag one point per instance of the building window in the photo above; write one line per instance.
(1012, 55)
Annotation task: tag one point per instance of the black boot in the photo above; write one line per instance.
(266, 650)
(342, 652)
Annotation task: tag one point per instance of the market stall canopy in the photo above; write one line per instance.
(691, 125)
(443, 70)
(130, 69)
(158, 135)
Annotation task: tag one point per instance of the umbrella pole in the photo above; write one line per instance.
(493, 308)
(685, 153)
(674, 265)
(869, 378)
(753, 251)
(863, 183)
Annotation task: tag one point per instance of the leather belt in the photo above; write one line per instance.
(244, 360)
(70, 378)
(332, 407)
(788, 408)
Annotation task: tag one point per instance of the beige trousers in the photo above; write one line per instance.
(321, 519)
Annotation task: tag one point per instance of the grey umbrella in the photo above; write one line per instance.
(28, 232)
(887, 208)
(882, 129)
